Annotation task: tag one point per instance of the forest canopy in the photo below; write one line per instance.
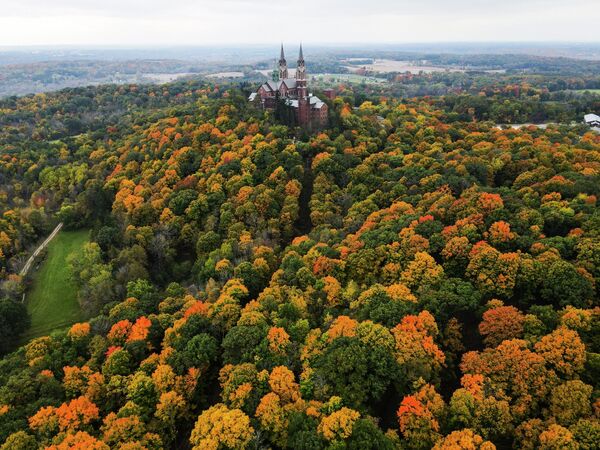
(413, 276)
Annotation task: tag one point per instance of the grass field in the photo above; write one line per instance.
(52, 299)
(348, 78)
(583, 91)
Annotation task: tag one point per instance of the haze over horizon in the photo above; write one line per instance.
(204, 22)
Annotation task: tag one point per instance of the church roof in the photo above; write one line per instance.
(290, 82)
(316, 102)
(275, 85)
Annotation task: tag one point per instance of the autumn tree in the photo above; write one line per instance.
(557, 437)
(419, 418)
(463, 440)
(338, 425)
(513, 370)
(486, 415)
(220, 427)
(415, 349)
(563, 351)
(570, 401)
(19, 440)
(501, 323)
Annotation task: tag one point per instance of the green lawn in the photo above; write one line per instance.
(583, 91)
(52, 299)
(348, 77)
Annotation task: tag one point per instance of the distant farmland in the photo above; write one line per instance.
(348, 78)
(583, 91)
(389, 65)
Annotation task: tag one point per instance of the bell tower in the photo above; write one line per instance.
(301, 76)
(303, 100)
(283, 70)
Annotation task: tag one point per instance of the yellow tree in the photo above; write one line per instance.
(563, 351)
(556, 437)
(463, 440)
(222, 428)
(338, 425)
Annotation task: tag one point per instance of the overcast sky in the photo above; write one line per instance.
(193, 22)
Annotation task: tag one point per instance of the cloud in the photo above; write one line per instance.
(192, 22)
(284, 8)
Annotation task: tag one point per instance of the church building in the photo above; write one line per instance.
(310, 110)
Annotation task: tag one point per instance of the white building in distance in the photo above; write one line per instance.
(592, 120)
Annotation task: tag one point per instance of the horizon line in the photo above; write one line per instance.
(310, 43)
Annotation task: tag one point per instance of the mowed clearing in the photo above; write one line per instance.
(52, 299)
(347, 78)
(584, 91)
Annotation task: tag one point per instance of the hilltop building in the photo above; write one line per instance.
(309, 110)
(592, 120)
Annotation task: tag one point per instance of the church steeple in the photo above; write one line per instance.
(301, 75)
(301, 68)
(283, 70)
(307, 109)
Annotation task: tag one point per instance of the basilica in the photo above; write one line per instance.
(309, 110)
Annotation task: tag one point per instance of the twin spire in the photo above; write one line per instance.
(282, 54)
(283, 70)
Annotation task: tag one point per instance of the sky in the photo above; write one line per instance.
(209, 22)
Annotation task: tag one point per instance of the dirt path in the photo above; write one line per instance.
(38, 250)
